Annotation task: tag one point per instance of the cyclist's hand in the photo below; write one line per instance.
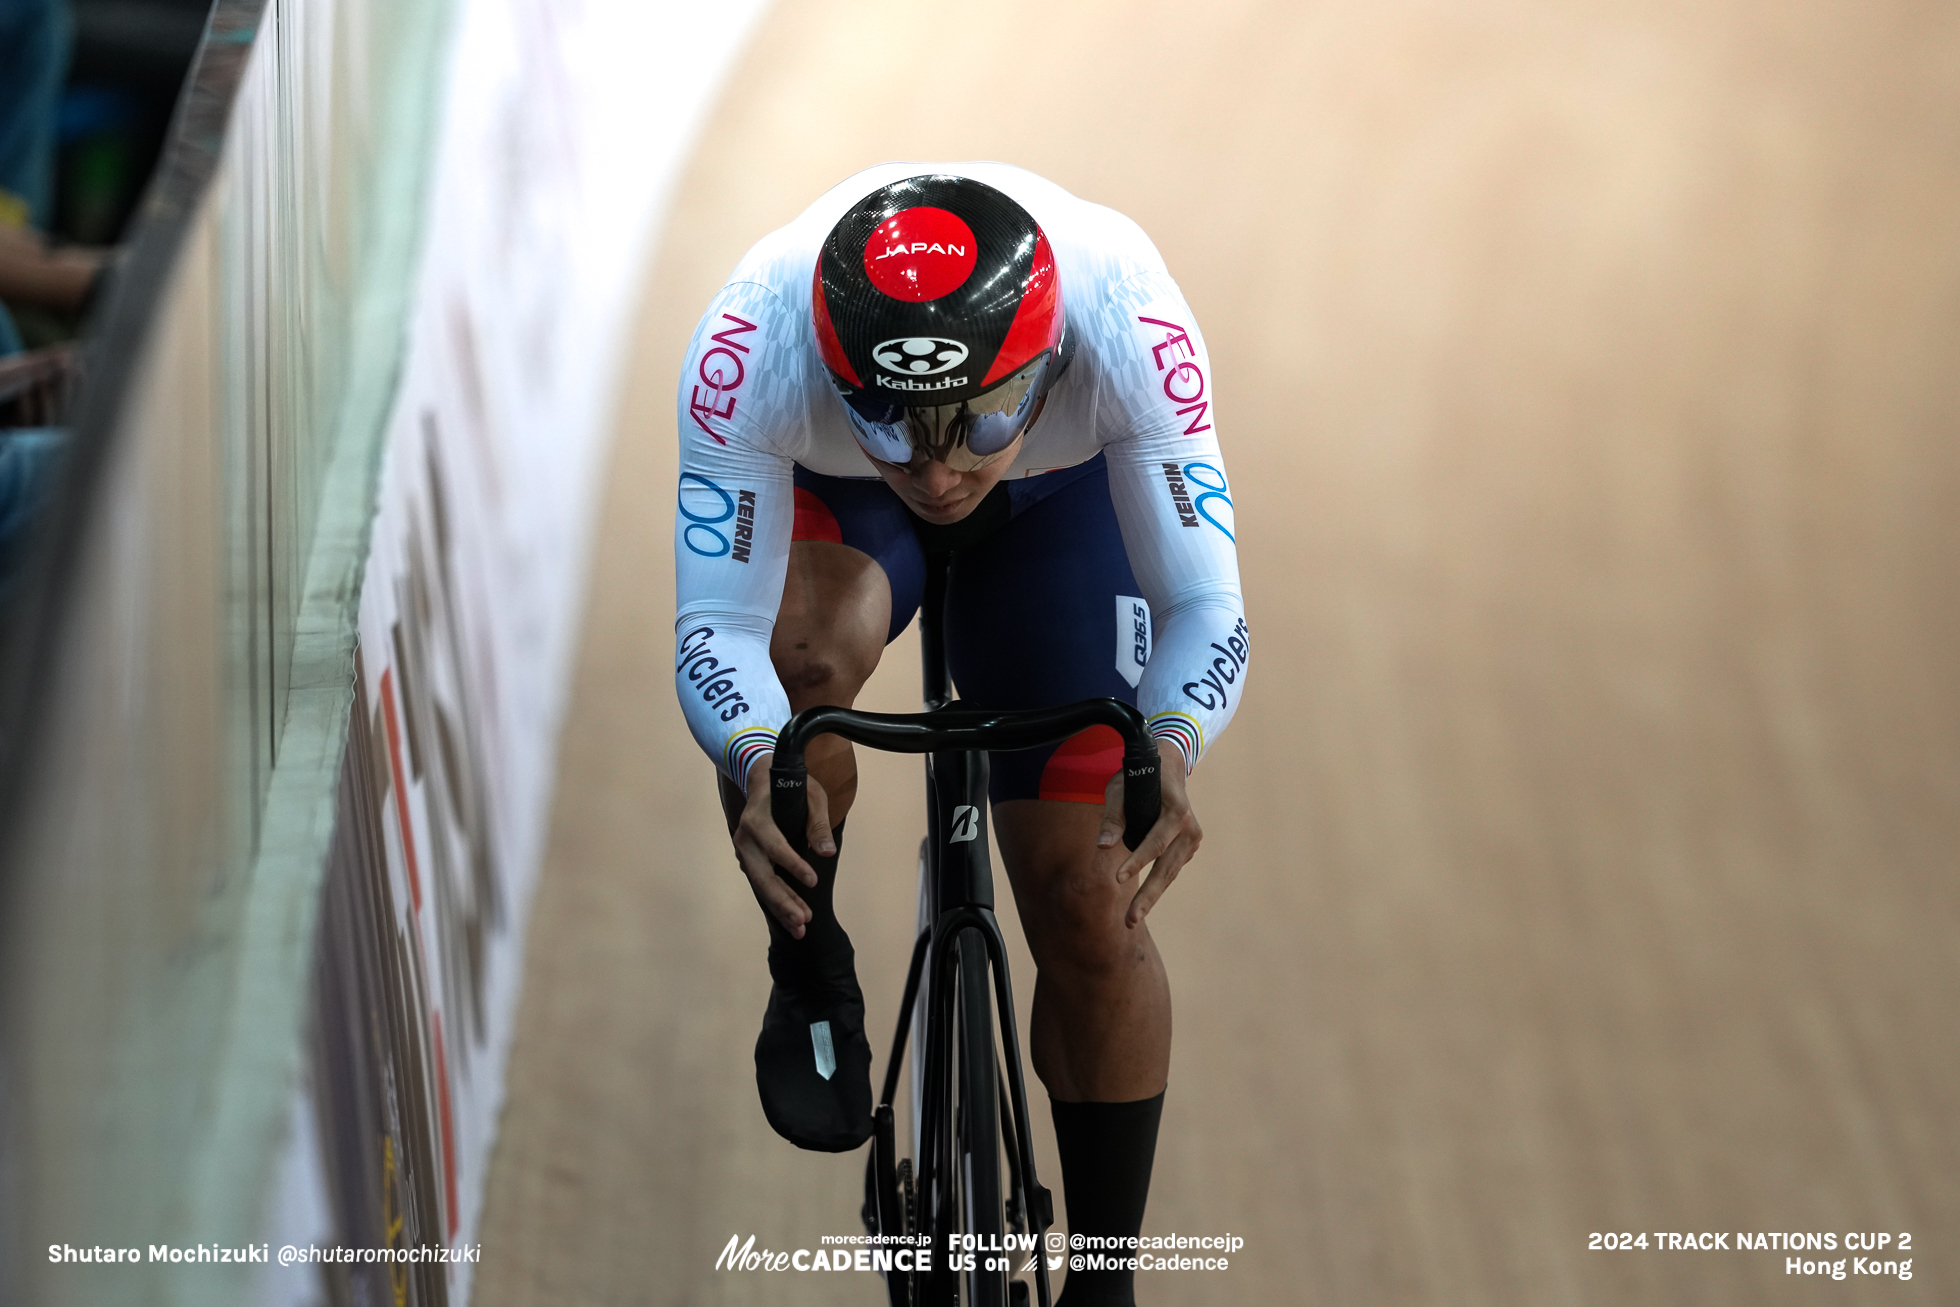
(761, 848)
(1171, 843)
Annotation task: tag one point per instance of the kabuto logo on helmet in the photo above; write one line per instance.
(934, 290)
(920, 356)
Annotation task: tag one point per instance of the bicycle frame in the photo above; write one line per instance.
(959, 902)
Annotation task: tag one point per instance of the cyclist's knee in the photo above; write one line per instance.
(1073, 911)
(818, 671)
(1085, 931)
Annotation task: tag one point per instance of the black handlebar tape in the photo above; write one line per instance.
(1143, 795)
(789, 802)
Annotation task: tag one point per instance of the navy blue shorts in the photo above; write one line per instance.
(1031, 613)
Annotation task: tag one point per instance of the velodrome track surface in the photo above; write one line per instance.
(1584, 856)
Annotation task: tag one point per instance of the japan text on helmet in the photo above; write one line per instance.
(938, 313)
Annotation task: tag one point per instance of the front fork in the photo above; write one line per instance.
(957, 895)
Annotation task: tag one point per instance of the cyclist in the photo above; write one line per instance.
(964, 357)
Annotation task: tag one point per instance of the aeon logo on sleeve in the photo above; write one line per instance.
(1176, 356)
(922, 356)
(722, 371)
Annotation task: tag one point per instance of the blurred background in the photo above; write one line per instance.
(126, 67)
(1584, 859)
(86, 94)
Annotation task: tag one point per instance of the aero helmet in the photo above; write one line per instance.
(938, 313)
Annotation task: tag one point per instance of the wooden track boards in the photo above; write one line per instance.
(1584, 859)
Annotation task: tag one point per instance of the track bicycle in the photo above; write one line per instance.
(948, 1194)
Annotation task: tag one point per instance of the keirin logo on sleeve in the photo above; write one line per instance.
(1132, 638)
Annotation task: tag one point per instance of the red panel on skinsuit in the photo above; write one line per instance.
(814, 520)
(1080, 770)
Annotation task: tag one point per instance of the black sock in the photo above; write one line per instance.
(1107, 1150)
(824, 946)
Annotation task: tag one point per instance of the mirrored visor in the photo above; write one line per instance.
(964, 436)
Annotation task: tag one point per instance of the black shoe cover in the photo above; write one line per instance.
(812, 1060)
(813, 1066)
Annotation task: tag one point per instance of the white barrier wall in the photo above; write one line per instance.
(184, 653)
(265, 886)
(564, 130)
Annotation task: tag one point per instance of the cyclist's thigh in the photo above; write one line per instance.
(854, 578)
(863, 515)
(830, 626)
(1046, 613)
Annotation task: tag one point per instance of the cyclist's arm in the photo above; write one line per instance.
(1173, 500)
(732, 525)
(740, 394)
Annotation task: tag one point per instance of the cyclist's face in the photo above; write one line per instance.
(939, 494)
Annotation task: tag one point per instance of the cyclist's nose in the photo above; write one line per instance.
(934, 479)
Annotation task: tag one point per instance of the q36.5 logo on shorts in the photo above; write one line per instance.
(1132, 638)
(719, 524)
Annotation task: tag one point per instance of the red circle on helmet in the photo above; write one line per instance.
(920, 254)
